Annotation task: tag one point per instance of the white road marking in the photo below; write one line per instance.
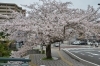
(99, 58)
(82, 54)
(86, 50)
(78, 49)
(75, 51)
(98, 51)
(90, 55)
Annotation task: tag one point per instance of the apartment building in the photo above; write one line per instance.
(5, 9)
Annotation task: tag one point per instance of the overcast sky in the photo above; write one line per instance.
(76, 3)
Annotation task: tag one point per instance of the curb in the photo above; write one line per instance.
(65, 60)
(80, 60)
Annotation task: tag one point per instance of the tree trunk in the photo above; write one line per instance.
(48, 51)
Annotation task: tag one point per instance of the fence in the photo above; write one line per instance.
(4, 61)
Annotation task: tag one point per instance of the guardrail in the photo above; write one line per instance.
(25, 61)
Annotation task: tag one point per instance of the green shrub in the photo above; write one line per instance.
(43, 51)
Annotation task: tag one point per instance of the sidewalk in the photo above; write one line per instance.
(63, 59)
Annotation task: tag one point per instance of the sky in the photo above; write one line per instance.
(82, 4)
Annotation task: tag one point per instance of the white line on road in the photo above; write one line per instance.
(75, 51)
(87, 50)
(82, 54)
(90, 55)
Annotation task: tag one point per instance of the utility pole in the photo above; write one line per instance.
(59, 46)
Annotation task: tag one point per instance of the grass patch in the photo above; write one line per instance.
(47, 58)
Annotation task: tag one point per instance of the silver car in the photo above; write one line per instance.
(56, 45)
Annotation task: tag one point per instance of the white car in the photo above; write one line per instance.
(56, 45)
(89, 43)
(76, 43)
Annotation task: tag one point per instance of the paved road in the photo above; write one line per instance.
(71, 46)
(91, 55)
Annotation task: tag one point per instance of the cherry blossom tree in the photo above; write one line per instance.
(56, 17)
(52, 21)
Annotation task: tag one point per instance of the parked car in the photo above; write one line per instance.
(79, 42)
(75, 43)
(96, 43)
(56, 44)
(83, 42)
(89, 43)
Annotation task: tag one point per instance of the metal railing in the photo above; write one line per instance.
(25, 62)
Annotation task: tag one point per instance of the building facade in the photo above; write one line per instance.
(5, 9)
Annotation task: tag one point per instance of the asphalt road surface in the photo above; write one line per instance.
(91, 55)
